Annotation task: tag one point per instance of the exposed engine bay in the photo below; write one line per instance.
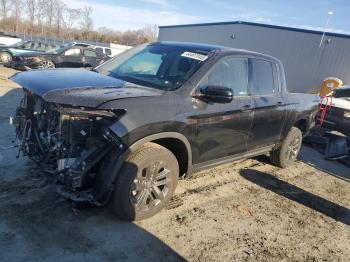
(70, 141)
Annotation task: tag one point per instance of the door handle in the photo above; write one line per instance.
(279, 103)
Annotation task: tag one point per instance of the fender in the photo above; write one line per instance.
(104, 184)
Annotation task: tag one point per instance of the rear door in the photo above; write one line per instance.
(90, 58)
(72, 57)
(222, 129)
(268, 103)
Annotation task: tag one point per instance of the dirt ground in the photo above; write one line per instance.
(243, 211)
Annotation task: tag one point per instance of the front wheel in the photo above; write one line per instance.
(5, 57)
(287, 153)
(46, 64)
(145, 182)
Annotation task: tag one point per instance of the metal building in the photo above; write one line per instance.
(307, 60)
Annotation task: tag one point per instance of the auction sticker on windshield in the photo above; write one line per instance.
(195, 56)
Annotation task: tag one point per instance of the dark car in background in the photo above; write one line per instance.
(8, 52)
(66, 56)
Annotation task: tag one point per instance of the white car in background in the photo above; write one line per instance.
(7, 40)
(338, 116)
(113, 50)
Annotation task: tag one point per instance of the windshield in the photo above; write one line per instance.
(19, 44)
(35, 46)
(161, 66)
(60, 49)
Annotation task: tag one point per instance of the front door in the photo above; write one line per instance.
(222, 129)
(269, 107)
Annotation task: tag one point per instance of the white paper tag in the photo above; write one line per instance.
(195, 56)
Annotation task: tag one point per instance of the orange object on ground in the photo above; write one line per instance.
(329, 84)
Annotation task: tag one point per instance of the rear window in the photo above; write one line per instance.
(262, 77)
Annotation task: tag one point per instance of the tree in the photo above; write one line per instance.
(60, 7)
(150, 32)
(16, 13)
(54, 18)
(71, 18)
(49, 12)
(5, 6)
(31, 7)
(86, 22)
(40, 14)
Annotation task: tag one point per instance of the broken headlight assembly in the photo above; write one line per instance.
(70, 141)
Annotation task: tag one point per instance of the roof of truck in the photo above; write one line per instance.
(203, 47)
(209, 48)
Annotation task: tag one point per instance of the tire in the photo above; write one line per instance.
(145, 183)
(5, 57)
(287, 153)
(46, 64)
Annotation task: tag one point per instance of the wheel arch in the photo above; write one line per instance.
(303, 124)
(177, 143)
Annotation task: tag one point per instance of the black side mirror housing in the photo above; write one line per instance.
(216, 94)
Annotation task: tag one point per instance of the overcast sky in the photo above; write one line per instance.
(133, 14)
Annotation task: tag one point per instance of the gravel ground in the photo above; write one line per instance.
(243, 211)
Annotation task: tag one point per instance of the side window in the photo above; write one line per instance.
(73, 51)
(262, 74)
(99, 50)
(89, 53)
(231, 72)
(108, 51)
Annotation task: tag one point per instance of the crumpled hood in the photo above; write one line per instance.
(79, 87)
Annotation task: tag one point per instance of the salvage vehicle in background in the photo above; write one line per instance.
(8, 52)
(128, 130)
(337, 116)
(6, 39)
(66, 56)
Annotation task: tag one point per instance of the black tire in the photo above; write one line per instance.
(287, 153)
(47, 64)
(5, 57)
(145, 183)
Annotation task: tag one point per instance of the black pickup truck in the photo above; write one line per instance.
(128, 130)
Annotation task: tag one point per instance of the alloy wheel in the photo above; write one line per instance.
(293, 149)
(151, 186)
(5, 57)
(47, 64)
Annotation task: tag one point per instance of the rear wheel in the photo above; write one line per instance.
(5, 57)
(145, 183)
(46, 64)
(288, 152)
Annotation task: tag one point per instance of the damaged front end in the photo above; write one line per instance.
(69, 141)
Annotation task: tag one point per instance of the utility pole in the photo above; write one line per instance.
(330, 13)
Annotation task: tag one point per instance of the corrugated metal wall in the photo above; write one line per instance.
(306, 64)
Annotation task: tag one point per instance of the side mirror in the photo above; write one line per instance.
(216, 94)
